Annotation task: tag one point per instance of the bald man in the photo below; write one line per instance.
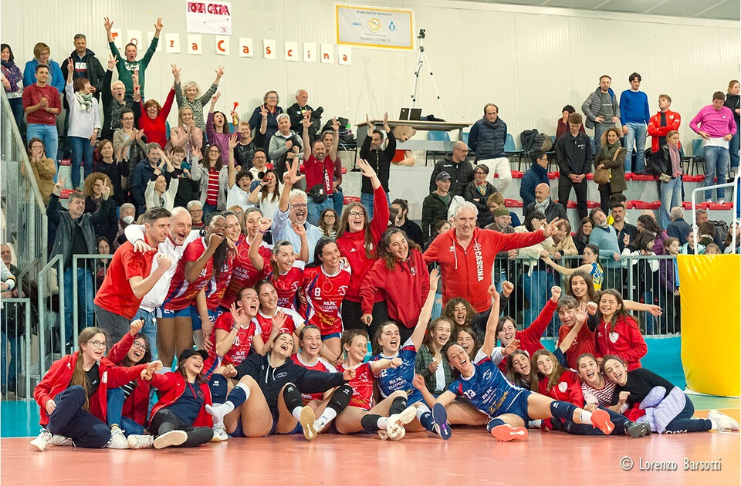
(179, 236)
(460, 170)
(545, 204)
(297, 110)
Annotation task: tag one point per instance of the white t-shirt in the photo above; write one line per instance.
(237, 197)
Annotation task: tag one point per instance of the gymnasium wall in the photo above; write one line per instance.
(528, 60)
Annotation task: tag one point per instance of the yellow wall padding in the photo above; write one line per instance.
(710, 292)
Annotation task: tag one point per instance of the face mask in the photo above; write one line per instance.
(128, 219)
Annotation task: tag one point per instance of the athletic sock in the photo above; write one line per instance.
(339, 400)
(373, 423)
(495, 422)
(586, 417)
(425, 418)
(218, 386)
(398, 405)
(238, 395)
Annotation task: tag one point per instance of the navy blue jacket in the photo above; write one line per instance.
(534, 176)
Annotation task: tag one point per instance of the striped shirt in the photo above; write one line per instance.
(603, 395)
(212, 193)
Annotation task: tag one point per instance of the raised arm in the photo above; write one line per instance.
(193, 269)
(490, 338)
(426, 312)
(306, 123)
(141, 286)
(564, 270)
(581, 319)
(255, 258)
(335, 139)
(232, 170)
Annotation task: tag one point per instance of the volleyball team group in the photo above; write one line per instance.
(275, 355)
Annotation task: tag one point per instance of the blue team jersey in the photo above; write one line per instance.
(489, 391)
(393, 379)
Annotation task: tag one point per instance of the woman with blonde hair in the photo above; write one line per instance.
(44, 168)
(187, 135)
(189, 95)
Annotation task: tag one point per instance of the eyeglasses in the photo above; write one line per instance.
(139, 345)
(479, 172)
(355, 214)
(97, 344)
(299, 206)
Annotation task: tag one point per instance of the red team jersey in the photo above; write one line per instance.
(244, 274)
(293, 319)
(182, 293)
(216, 288)
(324, 295)
(240, 346)
(320, 365)
(288, 284)
(362, 386)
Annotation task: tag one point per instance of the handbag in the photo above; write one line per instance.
(602, 176)
(317, 194)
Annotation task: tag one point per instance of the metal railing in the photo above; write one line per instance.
(50, 297)
(641, 279)
(15, 347)
(735, 185)
(89, 270)
(26, 222)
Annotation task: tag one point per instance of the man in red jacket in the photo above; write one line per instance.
(466, 255)
(662, 123)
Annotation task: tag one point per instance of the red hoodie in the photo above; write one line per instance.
(472, 266)
(137, 405)
(568, 388)
(171, 386)
(57, 379)
(530, 337)
(656, 130)
(405, 288)
(352, 246)
(624, 341)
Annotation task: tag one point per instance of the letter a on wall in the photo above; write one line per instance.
(222, 45)
(269, 49)
(245, 47)
(194, 44)
(344, 55)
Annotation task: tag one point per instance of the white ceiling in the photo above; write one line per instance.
(701, 9)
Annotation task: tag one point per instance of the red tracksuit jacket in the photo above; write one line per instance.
(405, 288)
(137, 405)
(57, 379)
(171, 386)
(625, 341)
(655, 129)
(530, 337)
(352, 245)
(467, 273)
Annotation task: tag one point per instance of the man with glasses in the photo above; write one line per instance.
(195, 208)
(460, 170)
(291, 212)
(130, 278)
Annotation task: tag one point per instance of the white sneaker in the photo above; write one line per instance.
(118, 439)
(724, 422)
(60, 440)
(220, 434)
(382, 434)
(396, 423)
(140, 441)
(171, 438)
(42, 440)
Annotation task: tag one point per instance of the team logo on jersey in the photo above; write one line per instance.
(614, 337)
(280, 375)
(487, 374)
(413, 270)
(562, 387)
(479, 261)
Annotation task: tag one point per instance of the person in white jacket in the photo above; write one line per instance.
(180, 235)
(157, 194)
(84, 123)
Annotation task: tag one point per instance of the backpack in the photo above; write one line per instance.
(532, 140)
(721, 228)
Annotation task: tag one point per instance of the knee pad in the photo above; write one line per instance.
(562, 410)
(340, 398)
(218, 386)
(292, 396)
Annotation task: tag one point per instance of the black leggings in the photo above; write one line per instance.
(165, 421)
(352, 312)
